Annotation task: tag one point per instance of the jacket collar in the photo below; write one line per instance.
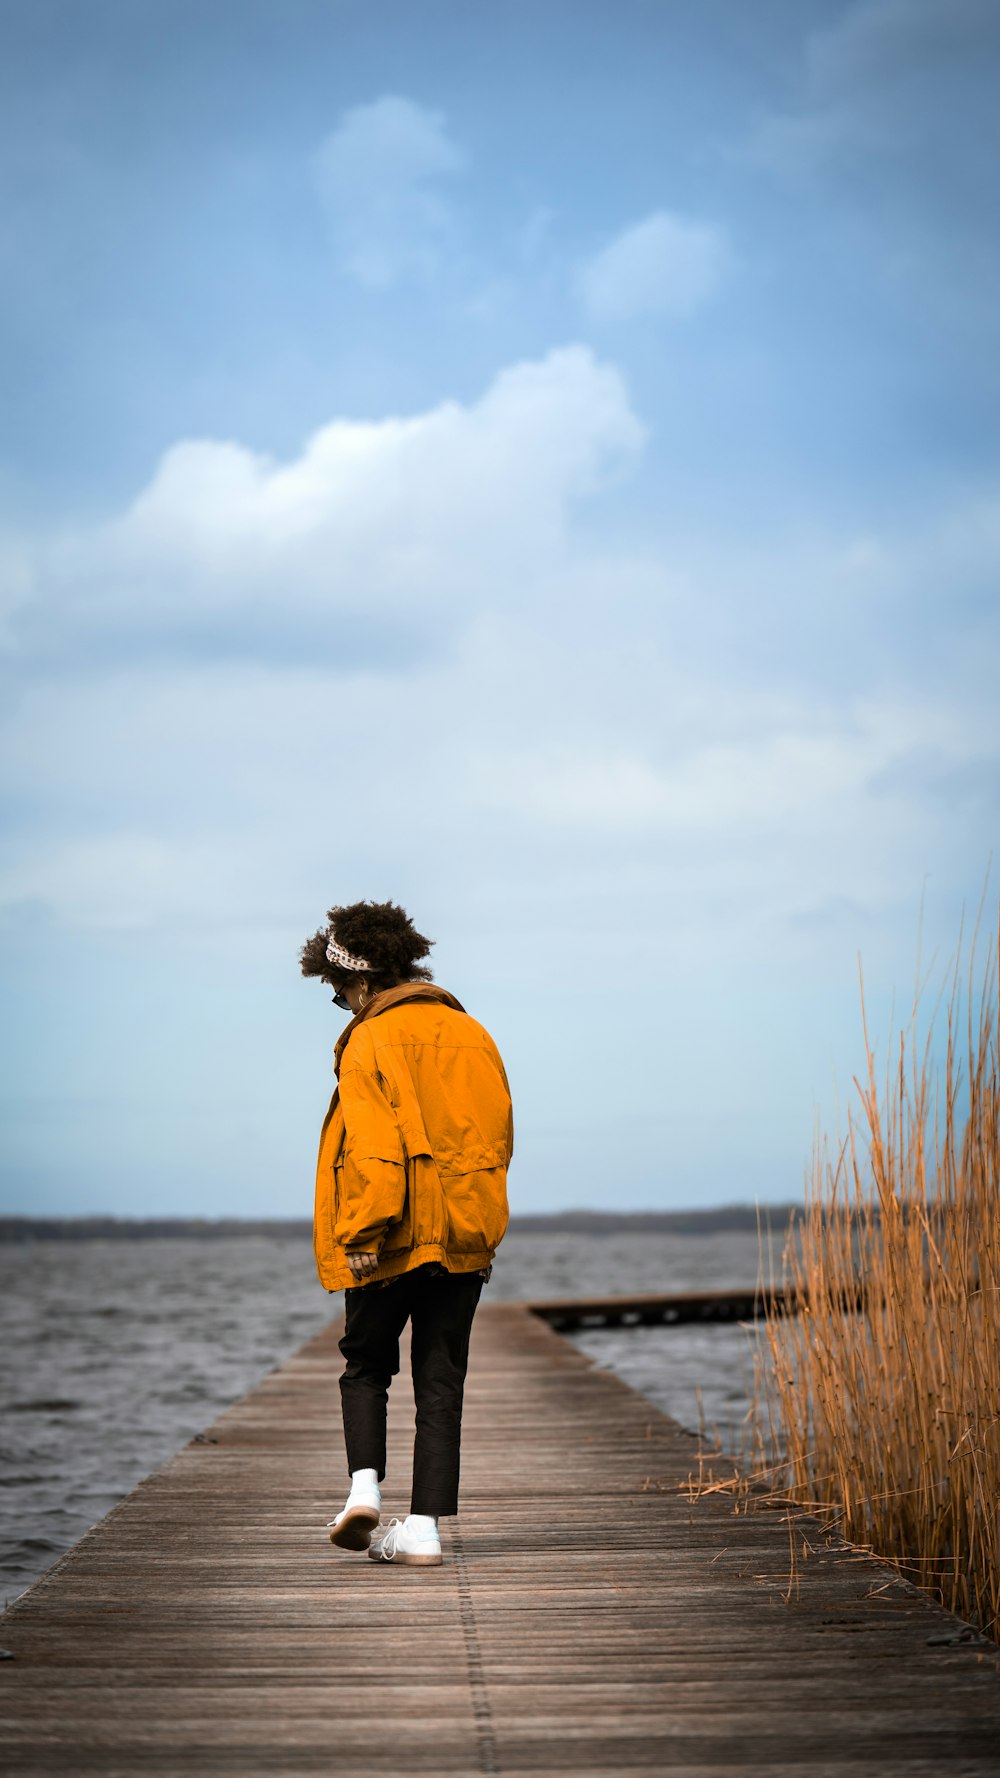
(392, 997)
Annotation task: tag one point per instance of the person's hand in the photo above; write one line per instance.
(363, 1265)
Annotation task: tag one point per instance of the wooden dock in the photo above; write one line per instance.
(588, 1618)
(673, 1308)
(659, 1309)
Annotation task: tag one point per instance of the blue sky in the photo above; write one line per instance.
(540, 466)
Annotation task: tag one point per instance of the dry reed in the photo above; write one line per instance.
(886, 1422)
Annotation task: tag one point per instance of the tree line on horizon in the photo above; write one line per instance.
(725, 1218)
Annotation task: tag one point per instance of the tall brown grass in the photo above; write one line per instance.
(887, 1422)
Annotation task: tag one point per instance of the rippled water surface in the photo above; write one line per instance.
(114, 1353)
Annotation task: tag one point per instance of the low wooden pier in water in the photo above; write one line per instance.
(589, 1618)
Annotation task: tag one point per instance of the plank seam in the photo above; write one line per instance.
(486, 1742)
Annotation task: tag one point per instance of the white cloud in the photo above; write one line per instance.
(590, 716)
(665, 265)
(378, 177)
(611, 789)
(123, 881)
(512, 779)
(810, 769)
(361, 548)
(17, 582)
(569, 745)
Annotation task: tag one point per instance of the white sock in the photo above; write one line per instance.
(421, 1524)
(364, 1478)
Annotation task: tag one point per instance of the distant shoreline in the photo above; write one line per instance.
(726, 1218)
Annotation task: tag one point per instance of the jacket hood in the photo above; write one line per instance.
(392, 997)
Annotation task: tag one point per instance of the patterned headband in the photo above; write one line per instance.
(336, 954)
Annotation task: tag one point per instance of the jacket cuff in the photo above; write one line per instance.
(368, 1242)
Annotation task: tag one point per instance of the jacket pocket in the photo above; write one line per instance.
(336, 1195)
(399, 1233)
(476, 1205)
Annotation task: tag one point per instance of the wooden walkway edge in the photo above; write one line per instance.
(588, 1619)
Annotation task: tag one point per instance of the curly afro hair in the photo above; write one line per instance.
(377, 930)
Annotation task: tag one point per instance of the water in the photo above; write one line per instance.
(115, 1353)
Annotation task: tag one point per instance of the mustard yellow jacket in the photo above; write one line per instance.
(414, 1151)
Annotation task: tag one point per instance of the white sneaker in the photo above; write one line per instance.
(352, 1529)
(399, 1542)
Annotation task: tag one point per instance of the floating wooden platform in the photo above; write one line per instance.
(654, 1308)
(588, 1618)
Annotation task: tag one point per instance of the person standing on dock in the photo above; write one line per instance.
(411, 1205)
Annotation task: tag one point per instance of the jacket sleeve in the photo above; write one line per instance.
(495, 1053)
(510, 1117)
(373, 1193)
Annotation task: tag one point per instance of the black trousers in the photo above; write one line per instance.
(440, 1306)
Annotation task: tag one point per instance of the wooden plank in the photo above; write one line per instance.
(588, 1619)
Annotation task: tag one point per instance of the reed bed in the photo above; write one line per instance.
(885, 1421)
